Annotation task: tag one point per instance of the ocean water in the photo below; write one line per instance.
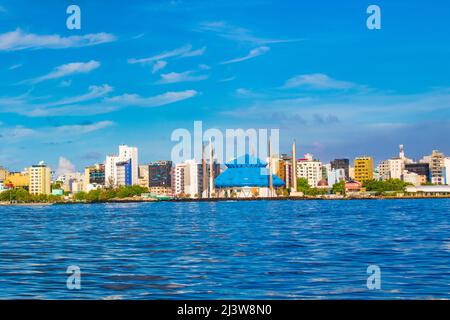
(228, 250)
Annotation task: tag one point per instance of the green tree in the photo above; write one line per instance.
(339, 187)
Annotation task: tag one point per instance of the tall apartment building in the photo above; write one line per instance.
(94, 176)
(115, 162)
(39, 176)
(178, 179)
(341, 164)
(436, 166)
(187, 178)
(3, 174)
(363, 167)
(391, 169)
(310, 169)
(124, 173)
(421, 169)
(447, 170)
(143, 176)
(160, 177)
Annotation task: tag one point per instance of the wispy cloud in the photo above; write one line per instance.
(20, 133)
(15, 66)
(20, 40)
(159, 65)
(182, 52)
(93, 93)
(174, 77)
(66, 70)
(85, 104)
(159, 100)
(317, 81)
(228, 31)
(252, 54)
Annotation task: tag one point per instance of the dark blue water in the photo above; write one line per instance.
(242, 250)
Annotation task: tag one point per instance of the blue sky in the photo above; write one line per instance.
(137, 71)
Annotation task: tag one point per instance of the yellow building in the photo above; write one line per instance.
(17, 180)
(40, 176)
(363, 167)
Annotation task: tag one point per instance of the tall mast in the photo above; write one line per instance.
(204, 170)
(294, 169)
(211, 169)
(270, 168)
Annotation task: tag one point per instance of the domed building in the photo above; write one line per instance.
(246, 177)
(323, 184)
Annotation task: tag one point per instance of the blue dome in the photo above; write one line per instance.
(246, 171)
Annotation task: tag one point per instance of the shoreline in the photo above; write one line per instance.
(139, 200)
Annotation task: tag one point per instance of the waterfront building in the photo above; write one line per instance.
(3, 174)
(335, 176)
(310, 169)
(160, 177)
(447, 170)
(126, 154)
(2, 186)
(195, 182)
(437, 168)
(436, 190)
(124, 173)
(341, 164)
(351, 173)
(421, 169)
(352, 186)
(17, 180)
(143, 176)
(412, 178)
(391, 169)
(178, 179)
(247, 176)
(94, 176)
(40, 176)
(363, 168)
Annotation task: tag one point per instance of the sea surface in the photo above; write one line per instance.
(227, 250)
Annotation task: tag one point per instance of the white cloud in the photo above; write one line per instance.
(252, 54)
(317, 81)
(204, 66)
(84, 128)
(65, 83)
(65, 167)
(159, 100)
(19, 40)
(159, 65)
(15, 66)
(93, 93)
(76, 105)
(174, 77)
(21, 133)
(67, 70)
(182, 52)
(227, 31)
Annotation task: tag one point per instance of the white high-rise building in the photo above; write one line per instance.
(111, 166)
(447, 170)
(391, 169)
(309, 169)
(178, 179)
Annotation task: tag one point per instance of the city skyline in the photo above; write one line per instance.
(341, 92)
